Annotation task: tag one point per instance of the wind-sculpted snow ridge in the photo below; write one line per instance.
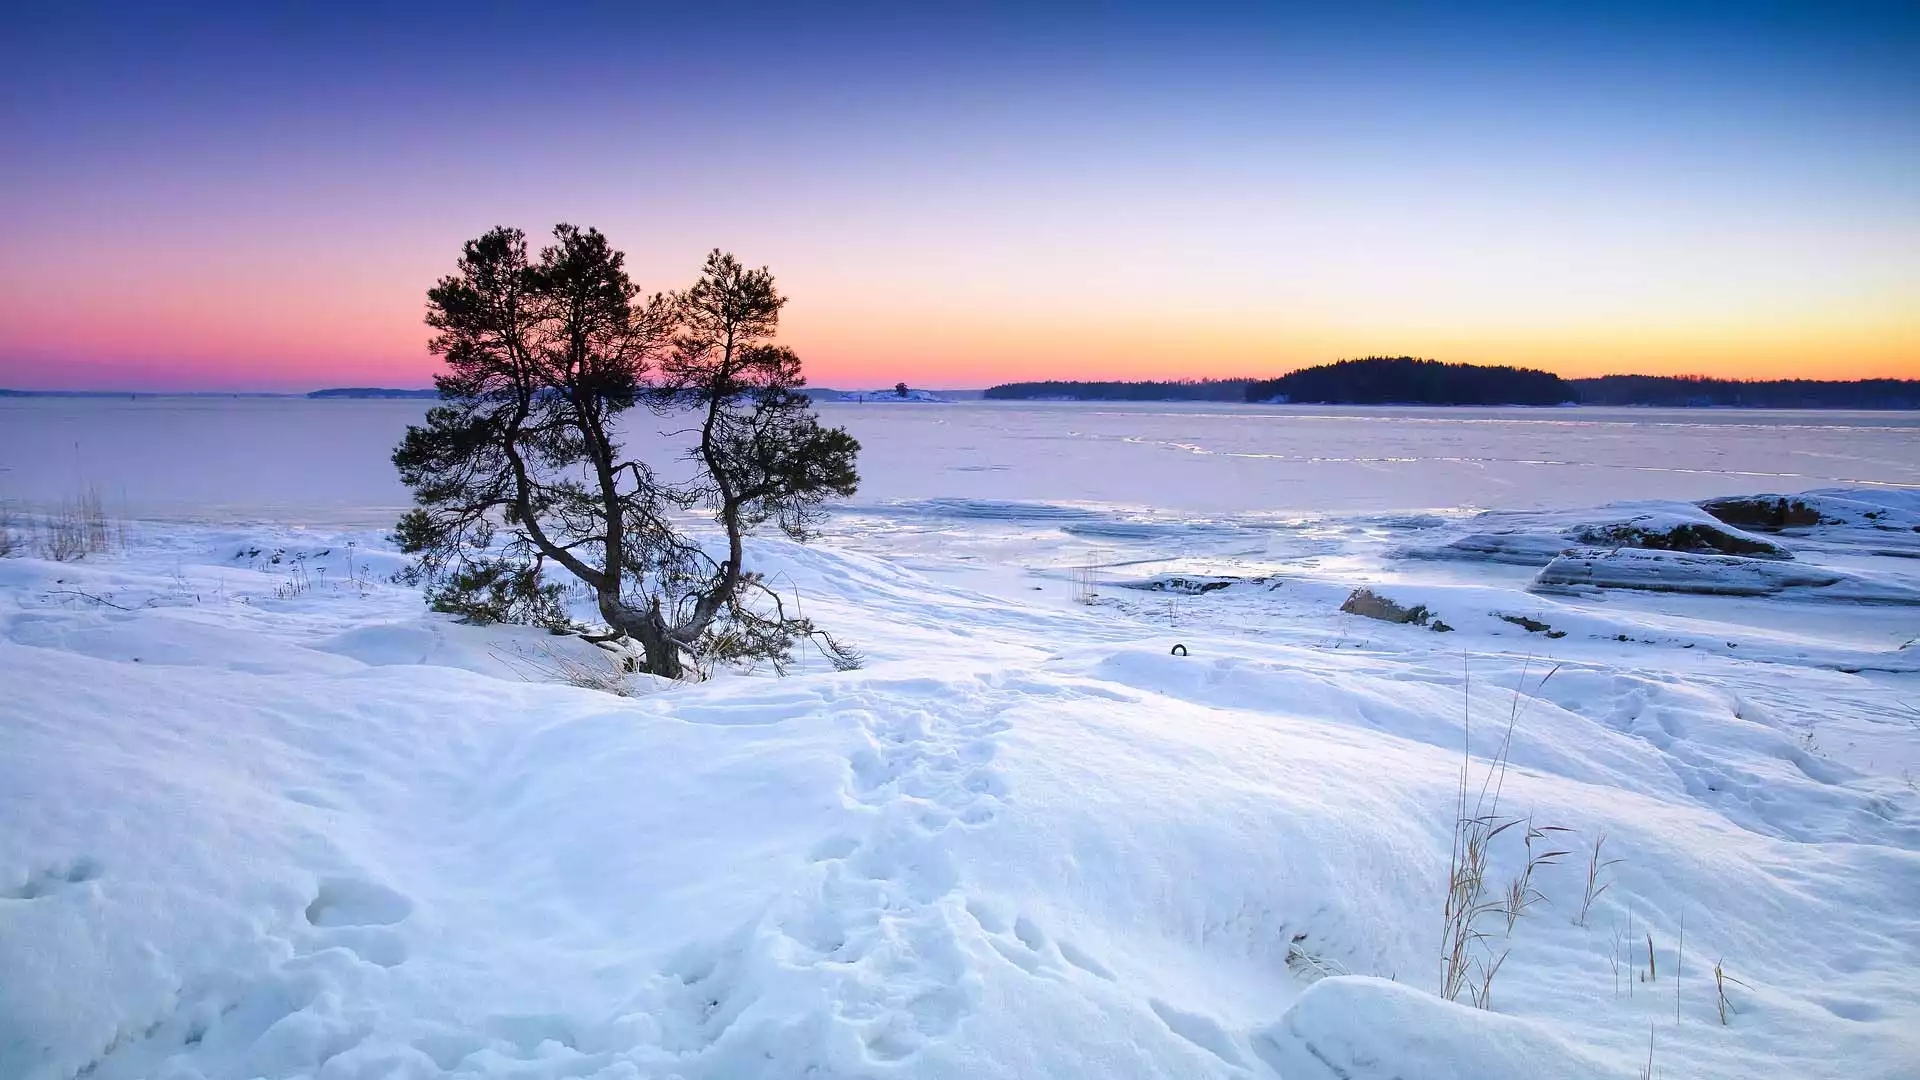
(263, 817)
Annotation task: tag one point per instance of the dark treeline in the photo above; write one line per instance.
(1175, 390)
(372, 392)
(1406, 380)
(1693, 390)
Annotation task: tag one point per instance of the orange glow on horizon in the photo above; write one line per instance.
(334, 327)
(271, 354)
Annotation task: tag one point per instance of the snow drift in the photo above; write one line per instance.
(261, 831)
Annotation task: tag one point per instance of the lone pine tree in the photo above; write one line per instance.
(519, 471)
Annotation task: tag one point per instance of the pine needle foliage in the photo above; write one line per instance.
(519, 475)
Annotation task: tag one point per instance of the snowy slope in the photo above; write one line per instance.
(268, 818)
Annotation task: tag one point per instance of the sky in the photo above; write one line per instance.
(256, 197)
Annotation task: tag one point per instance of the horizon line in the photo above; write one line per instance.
(8, 391)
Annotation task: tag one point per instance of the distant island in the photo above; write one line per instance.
(372, 392)
(1406, 380)
(1175, 390)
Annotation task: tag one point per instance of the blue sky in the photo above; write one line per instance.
(221, 195)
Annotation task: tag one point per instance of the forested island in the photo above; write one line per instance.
(1169, 390)
(372, 392)
(1407, 380)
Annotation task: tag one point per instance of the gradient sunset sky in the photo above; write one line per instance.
(253, 196)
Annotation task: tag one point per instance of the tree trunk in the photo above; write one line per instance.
(662, 656)
(662, 653)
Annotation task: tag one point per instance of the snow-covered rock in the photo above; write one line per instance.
(1716, 575)
(1534, 538)
(1877, 520)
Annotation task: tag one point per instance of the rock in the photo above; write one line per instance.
(1657, 533)
(1537, 537)
(1533, 626)
(1188, 585)
(1770, 513)
(1873, 521)
(1369, 604)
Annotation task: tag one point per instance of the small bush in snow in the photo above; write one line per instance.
(63, 537)
(78, 528)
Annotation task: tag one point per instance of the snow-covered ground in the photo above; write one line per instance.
(261, 815)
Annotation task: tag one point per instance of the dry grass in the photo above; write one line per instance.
(1472, 948)
(1521, 894)
(1720, 982)
(75, 529)
(612, 676)
(298, 580)
(1308, 966)
(1085, 588)
(1597, 865)
(1679, 965)
(63, 538)
(1613, 961)
(718, 646)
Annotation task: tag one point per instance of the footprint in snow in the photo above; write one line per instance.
(353, 902)
(1022, 943)
(1202, 1031)
(55, 878)
(1079, 958)
(833, 847)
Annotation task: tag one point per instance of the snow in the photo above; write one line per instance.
(263, 816)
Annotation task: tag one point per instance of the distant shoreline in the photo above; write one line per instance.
(1613, 391)
(1410, 381)
(364, 393)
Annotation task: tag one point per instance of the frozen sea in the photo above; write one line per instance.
(307, 460)
(263, 815)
